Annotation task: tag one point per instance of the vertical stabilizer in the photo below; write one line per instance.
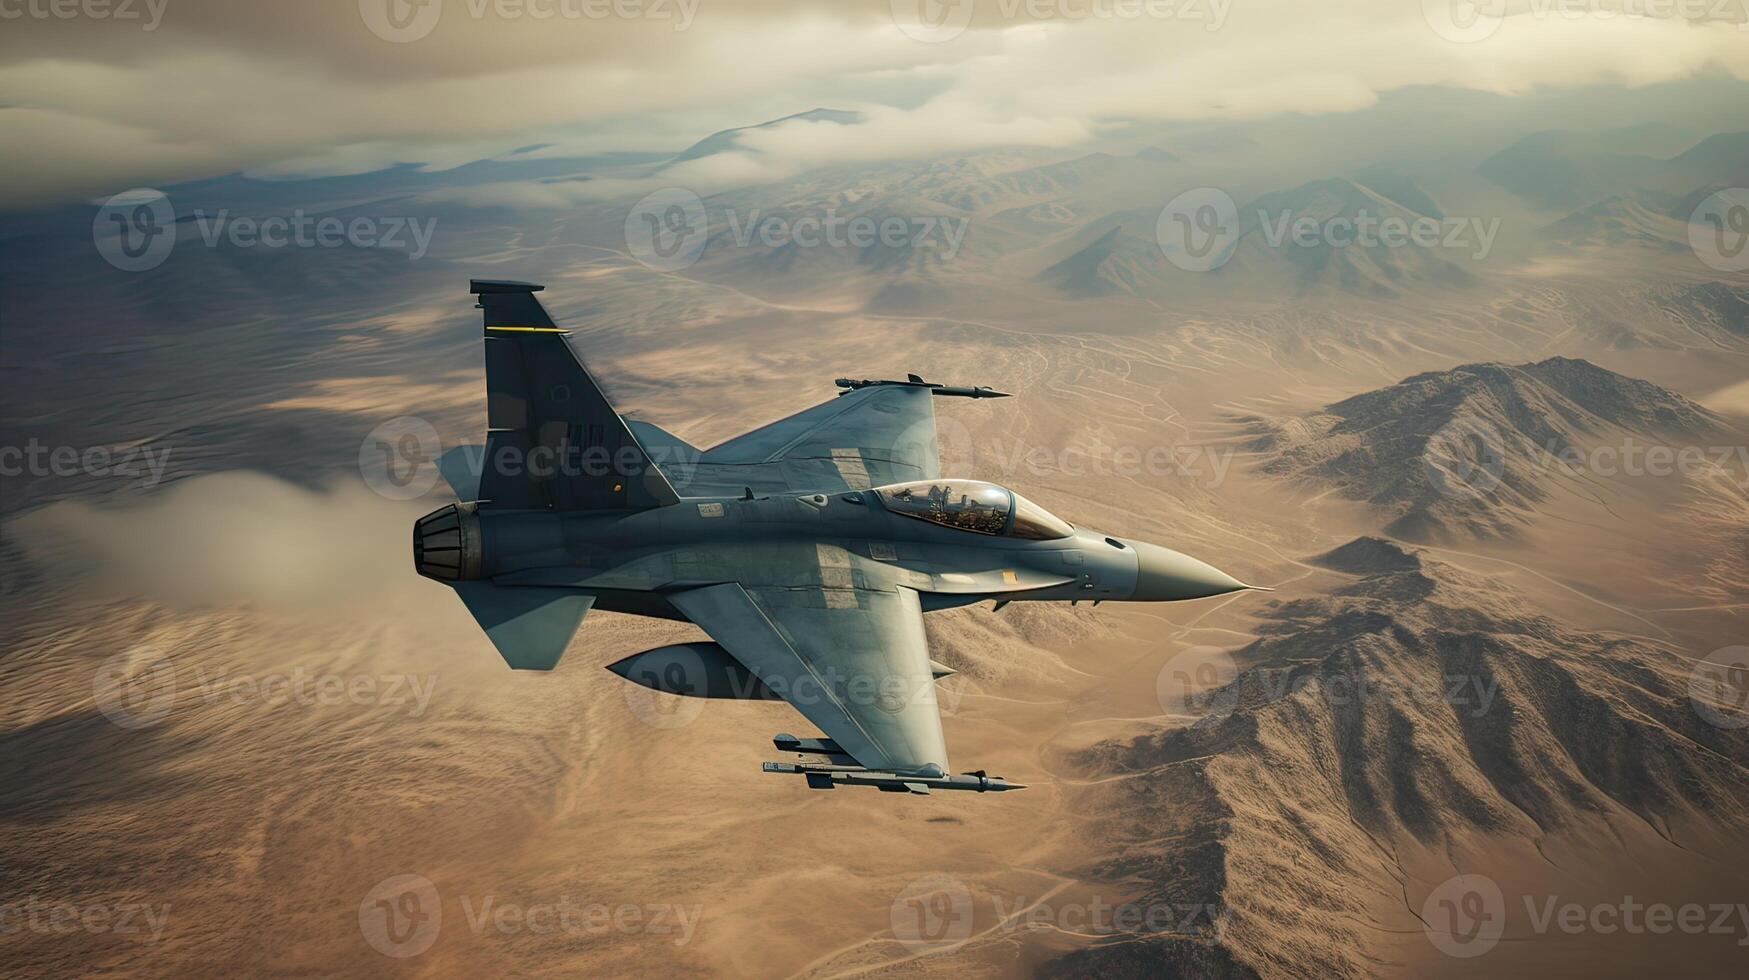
(554, 441)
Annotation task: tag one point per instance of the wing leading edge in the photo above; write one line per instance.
(864, 438)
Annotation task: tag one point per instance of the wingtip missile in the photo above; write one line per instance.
(913, 381)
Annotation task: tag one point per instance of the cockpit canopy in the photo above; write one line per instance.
(971, 505)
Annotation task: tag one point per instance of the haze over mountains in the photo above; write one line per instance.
(1480, 658)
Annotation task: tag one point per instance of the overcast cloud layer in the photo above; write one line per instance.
(183, 89)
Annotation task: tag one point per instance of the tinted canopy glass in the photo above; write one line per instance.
(1033, 521)
(970, 505)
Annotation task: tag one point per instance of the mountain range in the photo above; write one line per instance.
(1466, 453)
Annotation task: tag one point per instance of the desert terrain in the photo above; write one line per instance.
(1499, 646)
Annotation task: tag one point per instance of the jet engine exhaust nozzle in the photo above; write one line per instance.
(446, 544)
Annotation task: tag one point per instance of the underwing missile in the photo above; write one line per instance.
(831, 777)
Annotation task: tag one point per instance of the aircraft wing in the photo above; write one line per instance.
(867, 437)
(852, 661)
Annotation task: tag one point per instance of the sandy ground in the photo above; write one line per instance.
(315, 765)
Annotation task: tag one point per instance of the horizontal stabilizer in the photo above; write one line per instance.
(530, 626)
(661, 444)
(461, 468)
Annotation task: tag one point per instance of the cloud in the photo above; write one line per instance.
(293, 89)
(779, 152)
(234, 538)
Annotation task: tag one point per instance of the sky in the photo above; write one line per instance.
(98, 96)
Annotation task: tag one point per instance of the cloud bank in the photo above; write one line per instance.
(92, 105)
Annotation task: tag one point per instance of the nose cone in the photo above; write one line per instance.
(1163, 575)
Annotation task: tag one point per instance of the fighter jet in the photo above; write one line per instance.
(808, 549)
